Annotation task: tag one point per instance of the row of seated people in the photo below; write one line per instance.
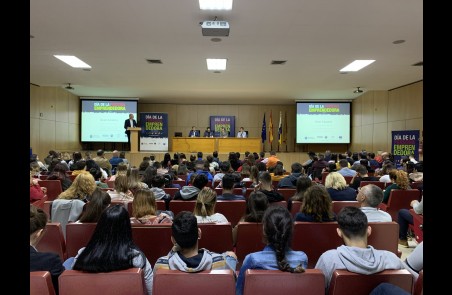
(144, 210)
(186, 235)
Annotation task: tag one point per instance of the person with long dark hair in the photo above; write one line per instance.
(111, 247)
(277, 254)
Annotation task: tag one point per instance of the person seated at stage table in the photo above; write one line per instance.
(223, 132)
(193, 132)
(208, 132)
(242, 133)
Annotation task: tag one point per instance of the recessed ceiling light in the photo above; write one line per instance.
(357, 65)
(278, 62)
(398, 42)
(216, 64)
(73, 61)
(216, 39)
(215, 4)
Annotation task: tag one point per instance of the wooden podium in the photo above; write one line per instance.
(134, 138)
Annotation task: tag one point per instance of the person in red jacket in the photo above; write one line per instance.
(36, 191)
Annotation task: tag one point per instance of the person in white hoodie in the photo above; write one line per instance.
(356, 255)
(186, 256)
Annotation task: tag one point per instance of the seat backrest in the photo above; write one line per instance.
(171, 191)
(47, 208)
(40, 203)
(419, 284)
(377, 183)
(348, 179)
(111, 184)
(175, 282)
(180, 182)
(78, 236)
(248, 191)
(216, 237)
(129, 281)
(418, 224)
(314, 238)
(311, 282)
(153, 240)
(401, 199)
(54, 188)
(280, 203)
(237, 191)
(338, 205)
(343, 280)
(296, 205)
(177, 206)
(416, 184)
(249, 239)
(384, 236)
(41, 283)
(287, 192)
(232, 210)
(53, 240)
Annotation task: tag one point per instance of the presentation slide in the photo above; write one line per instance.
(323, 122)
(103, 120)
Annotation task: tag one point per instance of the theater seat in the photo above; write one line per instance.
(129, 281)
(41, 283)
(78, 236)
(54, 188)
(419, 284)
(344, 282)
(338, 205)
(53, 240)
(153, 240)
(175, 282)
(417, 227)
(399, 199)
(249, 239)
(232, 210)
(216, 237)
(311, 282)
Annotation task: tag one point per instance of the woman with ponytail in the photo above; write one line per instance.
(278, 230)
(205, 207)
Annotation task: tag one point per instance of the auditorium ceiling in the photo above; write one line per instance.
(313, 38)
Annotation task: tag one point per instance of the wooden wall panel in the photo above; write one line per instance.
(357, 112)
(415, 124)
(379, 139)
(367, 136)
(356, 138)
(367, 108)
(414, 107)
(47, 103)
(35, 92)
(74, 137)
(380, 106)
(62, 106)
(397, 105)
(46, 137)
(74, 109)
(62, 136)
(34, 135)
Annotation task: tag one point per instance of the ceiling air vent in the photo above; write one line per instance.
(154, 61)
(418, 64)
(278, 62)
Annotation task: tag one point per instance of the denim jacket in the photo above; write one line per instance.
(266, 259)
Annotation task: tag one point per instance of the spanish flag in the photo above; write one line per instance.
(270, 131)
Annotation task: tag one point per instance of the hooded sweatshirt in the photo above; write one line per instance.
(358, 260)
(158, 193)
(187, 193)
(205, 260)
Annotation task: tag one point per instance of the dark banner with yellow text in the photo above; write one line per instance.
(405, 143)
(154, 132)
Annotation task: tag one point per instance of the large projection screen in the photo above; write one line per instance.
(323, 122)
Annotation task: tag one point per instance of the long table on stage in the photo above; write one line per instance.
(211, 144)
